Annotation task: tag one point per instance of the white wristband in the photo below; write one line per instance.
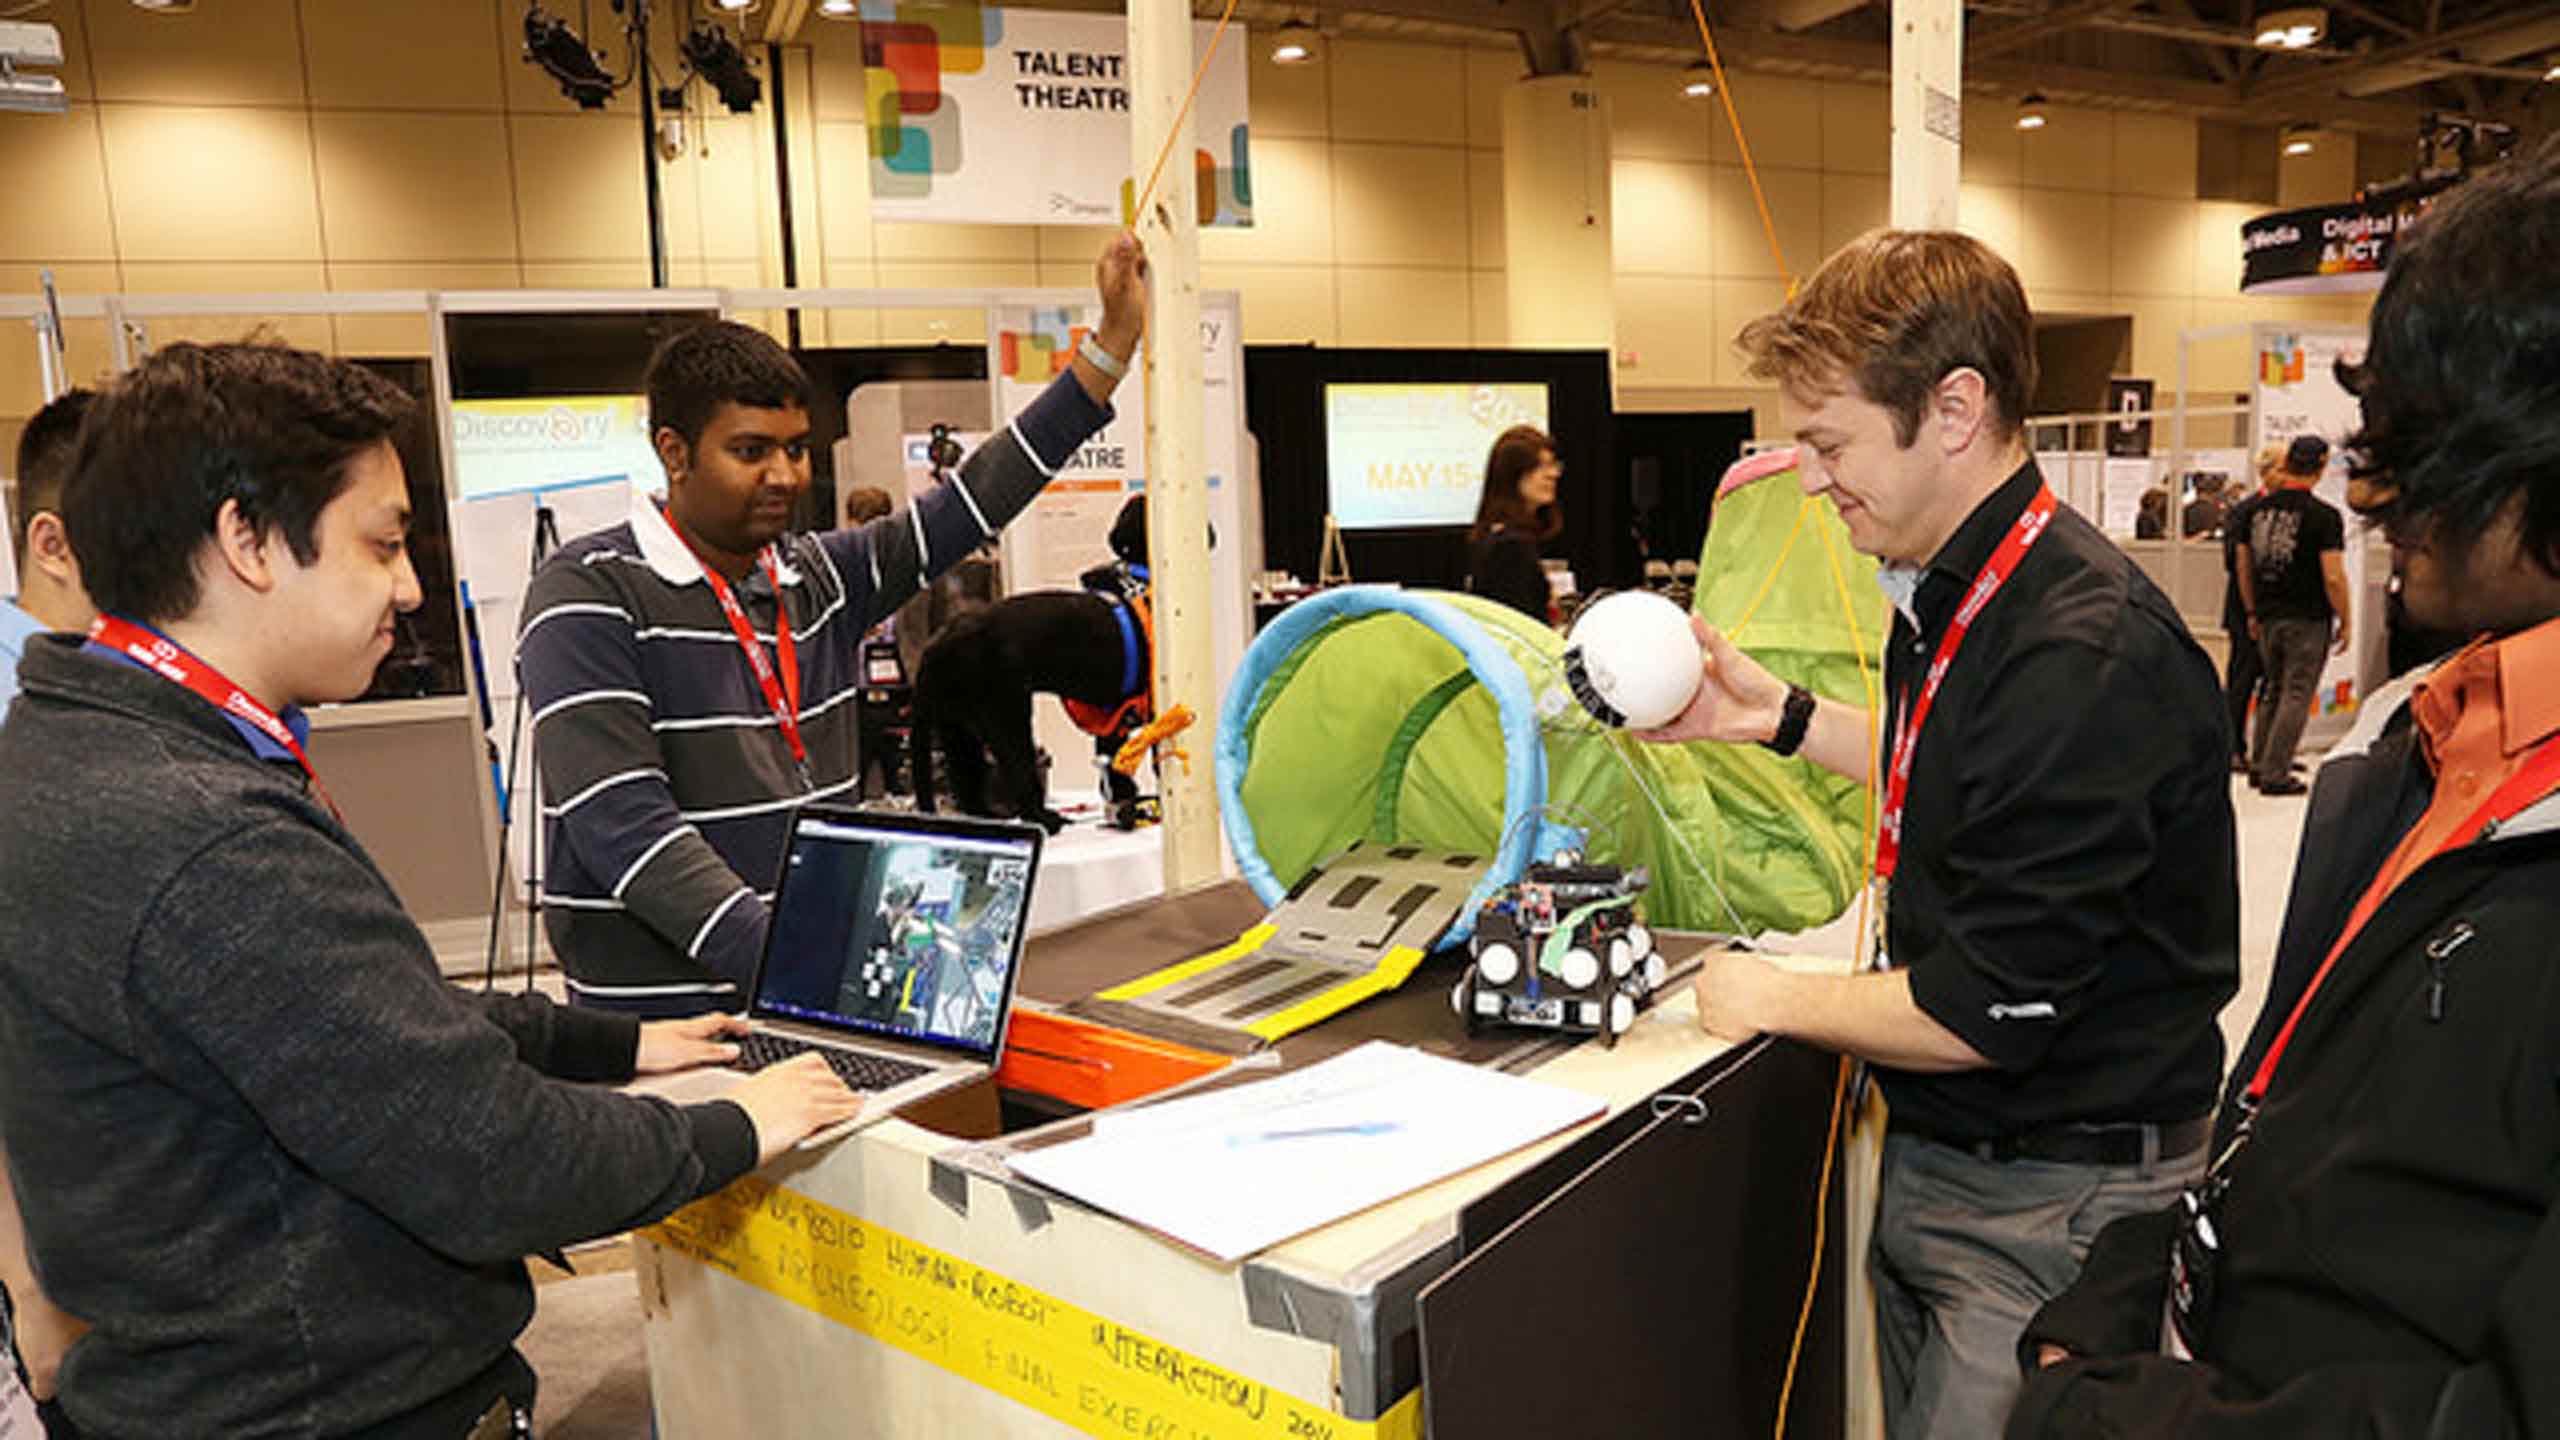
(1103, 360)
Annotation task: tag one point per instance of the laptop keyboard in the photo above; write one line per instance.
(858, 1070)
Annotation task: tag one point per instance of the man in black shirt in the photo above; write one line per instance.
(2063, 915)
(2293, 582)
(2244, 673)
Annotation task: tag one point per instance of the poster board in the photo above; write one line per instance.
(1066, 530)
(989, 115)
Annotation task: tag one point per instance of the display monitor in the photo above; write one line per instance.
(1401, 456)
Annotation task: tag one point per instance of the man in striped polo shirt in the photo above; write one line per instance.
(677, 726)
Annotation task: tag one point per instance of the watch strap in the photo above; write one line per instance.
(1793, 721)
(1100, 359)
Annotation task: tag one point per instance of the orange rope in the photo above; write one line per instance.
(1173, 132)
(1821, 1224)
(1866, 917)
(1724, 92)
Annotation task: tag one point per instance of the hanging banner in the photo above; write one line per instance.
(1021, 117)
(2328, 249)
(1067, 529)
(2298, 394)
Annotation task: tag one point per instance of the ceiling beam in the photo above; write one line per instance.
(2010, 38)
(2219, 63)
(1805, 14)
(1642, 38)
(2331, 78)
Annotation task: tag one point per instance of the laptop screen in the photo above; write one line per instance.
(897, 926)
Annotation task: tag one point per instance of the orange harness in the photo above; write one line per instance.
(1135, 710)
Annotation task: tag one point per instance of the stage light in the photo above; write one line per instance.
(551, 44)
(2300, 139)
(710, 53)
(2296, 28)
(1698, 81)
(1294, 44)
(2031, 114)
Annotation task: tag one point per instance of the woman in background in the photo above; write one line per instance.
(1517, 514)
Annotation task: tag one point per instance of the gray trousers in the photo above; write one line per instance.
(2295, 651)
(1966, 1250)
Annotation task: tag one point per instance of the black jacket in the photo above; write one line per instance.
(2391, 1249)
(285, 1169)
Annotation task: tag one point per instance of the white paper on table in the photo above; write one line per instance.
(1240, 1169)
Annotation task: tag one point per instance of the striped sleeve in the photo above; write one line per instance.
(890, 559)
(607, 803)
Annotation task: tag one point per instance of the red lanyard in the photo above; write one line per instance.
(2536, 778)
(783, 694)
(170, 660)
(1906, 736)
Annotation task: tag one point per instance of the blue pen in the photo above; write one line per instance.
(1369, 1127)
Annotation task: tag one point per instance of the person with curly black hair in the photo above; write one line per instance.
(2376, 1247)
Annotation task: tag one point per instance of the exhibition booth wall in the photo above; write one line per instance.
(365, 145)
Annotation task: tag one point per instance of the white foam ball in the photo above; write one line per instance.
(1634, 654)
(1498, 963)
(1580, 968)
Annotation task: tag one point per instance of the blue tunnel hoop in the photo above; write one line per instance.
(1524, 779)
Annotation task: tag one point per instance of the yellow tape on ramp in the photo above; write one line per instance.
(1245, 944)
(1068, 1363)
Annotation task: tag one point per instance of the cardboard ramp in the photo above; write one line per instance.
(1354, 927)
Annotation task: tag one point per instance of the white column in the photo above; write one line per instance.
(1928, 112)
(1160, 62)
(1555, 214)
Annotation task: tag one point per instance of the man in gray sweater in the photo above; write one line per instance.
(285, 1171)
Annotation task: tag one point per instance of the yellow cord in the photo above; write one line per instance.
(1770, 580)
(1724, 91)
(1137, 212)
(1866, 917)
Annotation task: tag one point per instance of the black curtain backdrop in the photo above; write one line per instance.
(1284, 408)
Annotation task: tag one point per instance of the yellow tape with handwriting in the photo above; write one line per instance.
(1066, 1362)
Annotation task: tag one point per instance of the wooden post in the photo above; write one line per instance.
(1160, 62)
(1928, 112)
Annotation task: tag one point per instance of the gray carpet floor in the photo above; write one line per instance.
(585, 1344)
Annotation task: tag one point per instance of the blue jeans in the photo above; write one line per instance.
(1966, 1250)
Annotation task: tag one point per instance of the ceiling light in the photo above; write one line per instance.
(710, 53)
(733, 7)
(2300, 139)
(2552, 75)
(1698, 81)
(551, 44)
(840, 9)
(29, 43)
(165, 7)
(2297, 28)
(1294, 44)
(2031, 111)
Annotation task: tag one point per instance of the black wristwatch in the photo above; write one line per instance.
(1793, 721)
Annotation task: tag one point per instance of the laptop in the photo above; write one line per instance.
(894, 950)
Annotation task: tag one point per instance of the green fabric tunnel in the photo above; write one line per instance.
(1442, 720)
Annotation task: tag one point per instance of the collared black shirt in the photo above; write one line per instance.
(2067, 899)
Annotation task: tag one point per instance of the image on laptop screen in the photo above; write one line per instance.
(896, 932)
